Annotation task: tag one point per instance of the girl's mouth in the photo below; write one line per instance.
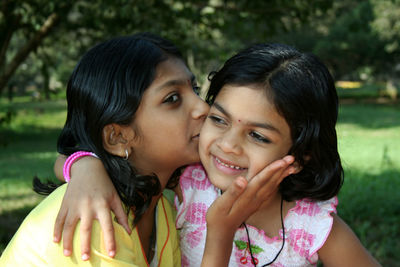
(226, 167)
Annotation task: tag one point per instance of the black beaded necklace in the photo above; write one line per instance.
(283, 240)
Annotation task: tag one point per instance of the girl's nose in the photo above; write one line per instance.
(200, 109)
(229, 142)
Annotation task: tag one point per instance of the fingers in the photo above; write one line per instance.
(105, 220)
(68, 235)
(107, 229)
(237, 188)
(225, 202)
(69, 225)
(262, 187)
(265, 174)
(120, 214)
(89, 196)
(219, 218)
(85, 235)
(269, 189)
(270, 177)
(59, 224)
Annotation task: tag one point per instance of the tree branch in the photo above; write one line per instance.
(31, 45)
(6, 38)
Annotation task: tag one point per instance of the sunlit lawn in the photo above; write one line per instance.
(27, 148)
(369, 142)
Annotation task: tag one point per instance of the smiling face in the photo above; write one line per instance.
(168, 121)
(242, 134)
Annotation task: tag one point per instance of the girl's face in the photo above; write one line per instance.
(242, 134)
(168, 121)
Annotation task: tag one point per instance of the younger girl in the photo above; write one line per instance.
(269, 101)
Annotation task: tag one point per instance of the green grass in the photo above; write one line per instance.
(365, 91)
(369, 143)
(27, 149)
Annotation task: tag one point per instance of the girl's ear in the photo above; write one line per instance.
(297, 167)
(117, 139)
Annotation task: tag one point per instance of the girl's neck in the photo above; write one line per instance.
(162, 175)
(146, 229)
(163, 172)
(268, 215)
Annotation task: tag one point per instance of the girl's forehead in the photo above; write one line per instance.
(250, 91)
(226, 88)
(170, 70)
(242, 101)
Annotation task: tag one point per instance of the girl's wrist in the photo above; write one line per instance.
(72, 159)
(217, 249)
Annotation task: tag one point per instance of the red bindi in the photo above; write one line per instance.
(239, 120)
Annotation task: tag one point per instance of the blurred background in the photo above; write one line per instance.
(42, 40)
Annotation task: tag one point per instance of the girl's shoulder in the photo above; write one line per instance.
(195, 167)
(313, 217)
(312, 208)
(194, 177)
(309, 223)
(198, 193)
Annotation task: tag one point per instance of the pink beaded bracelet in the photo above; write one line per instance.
(71, 159)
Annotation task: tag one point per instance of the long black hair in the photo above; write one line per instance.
(304, 93)
(106, 87)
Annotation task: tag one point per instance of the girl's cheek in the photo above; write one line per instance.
(204, 134)
(202, 145)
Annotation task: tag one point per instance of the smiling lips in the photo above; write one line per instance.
(227, 168)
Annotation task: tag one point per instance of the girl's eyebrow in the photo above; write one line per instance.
(266, 126)
(177, 82)
(221, 109)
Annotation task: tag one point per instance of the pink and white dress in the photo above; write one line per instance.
(307, 226)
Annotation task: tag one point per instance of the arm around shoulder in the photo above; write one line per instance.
(58, 167)
(90, 195)
(343, 248)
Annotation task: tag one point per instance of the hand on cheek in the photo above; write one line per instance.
(244, 197)
(236, 204)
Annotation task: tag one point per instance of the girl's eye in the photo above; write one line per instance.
(217, 120)
(172, 98)
(196, 89)
(259, 138)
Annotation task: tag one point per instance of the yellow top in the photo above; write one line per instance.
(33, 244)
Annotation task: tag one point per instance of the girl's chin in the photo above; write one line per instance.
(220, 182)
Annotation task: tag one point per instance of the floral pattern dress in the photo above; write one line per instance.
(307, 226)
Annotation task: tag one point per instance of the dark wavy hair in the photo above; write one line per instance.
(304, 93)
(106, 87)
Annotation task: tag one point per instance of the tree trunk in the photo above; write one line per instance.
(46, 81)
(31, 45)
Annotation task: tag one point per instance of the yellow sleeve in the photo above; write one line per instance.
(32, 245)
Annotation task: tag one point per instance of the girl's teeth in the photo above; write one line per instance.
(229, 166)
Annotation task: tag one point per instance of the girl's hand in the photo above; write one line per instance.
(236, 204)
(90, 195)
